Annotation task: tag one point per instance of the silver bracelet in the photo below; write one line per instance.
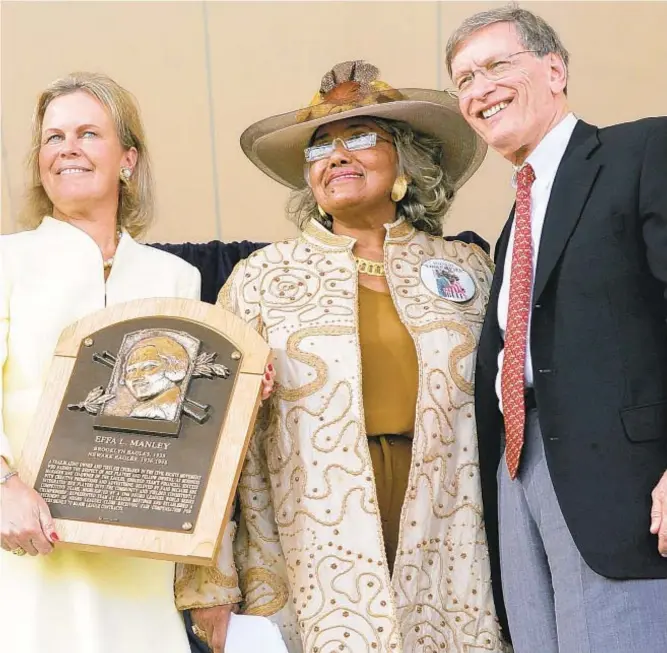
(7, 476)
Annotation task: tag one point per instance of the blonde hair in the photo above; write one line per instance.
(135, 196)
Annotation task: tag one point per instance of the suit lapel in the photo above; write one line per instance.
(572, 186)
(490, 341)
(503, 244)
(499, 260)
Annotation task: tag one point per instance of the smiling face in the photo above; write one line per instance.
(512, 113)
(361, 179)
(80, 155)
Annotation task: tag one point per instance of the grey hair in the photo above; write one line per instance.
(430, 191)
(535, 33)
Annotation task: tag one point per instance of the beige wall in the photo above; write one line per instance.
(202, 72)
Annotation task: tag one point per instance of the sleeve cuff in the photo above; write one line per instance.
(197, 586)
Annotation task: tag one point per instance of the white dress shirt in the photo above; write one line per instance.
(545, 160)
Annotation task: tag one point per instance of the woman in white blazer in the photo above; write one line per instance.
(91, 179)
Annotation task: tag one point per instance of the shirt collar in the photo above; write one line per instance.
(314, 231)
(68, 233)
(546, 157)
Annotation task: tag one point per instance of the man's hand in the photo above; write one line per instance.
(659, 514)
(214, 622)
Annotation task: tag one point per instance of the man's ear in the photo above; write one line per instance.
(557, 73)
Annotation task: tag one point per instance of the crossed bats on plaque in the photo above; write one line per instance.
(150, 378)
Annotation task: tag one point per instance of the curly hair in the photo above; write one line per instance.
(135, 196)
(430, 191)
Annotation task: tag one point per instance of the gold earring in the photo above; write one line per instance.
(322, 212)
(399, 189)
(125, 174)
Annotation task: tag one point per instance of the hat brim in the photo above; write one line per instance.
(276, 144)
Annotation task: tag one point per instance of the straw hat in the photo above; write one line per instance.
(276, 144)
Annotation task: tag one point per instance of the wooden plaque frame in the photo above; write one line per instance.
(200, 545)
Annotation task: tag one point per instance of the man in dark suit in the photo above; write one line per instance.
(571, 384)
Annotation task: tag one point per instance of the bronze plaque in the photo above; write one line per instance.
(139, 425)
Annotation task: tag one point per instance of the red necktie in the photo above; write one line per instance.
(512, 380)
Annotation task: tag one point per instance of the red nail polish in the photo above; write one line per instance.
(270, 368)
(267, 376)
(54, 537)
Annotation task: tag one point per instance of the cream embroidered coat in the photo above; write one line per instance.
(309, 549)
(69, 601)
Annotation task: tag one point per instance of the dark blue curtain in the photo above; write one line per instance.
(215, 261)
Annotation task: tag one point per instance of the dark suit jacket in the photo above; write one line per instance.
(599, 347)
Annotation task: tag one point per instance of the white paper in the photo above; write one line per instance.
(248, 634)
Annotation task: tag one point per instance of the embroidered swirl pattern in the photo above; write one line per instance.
(309, 550)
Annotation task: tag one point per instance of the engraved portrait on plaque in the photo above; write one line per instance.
(147, 391)
(143, 427)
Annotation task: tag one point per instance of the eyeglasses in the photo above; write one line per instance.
(352, 144)
(493, 71)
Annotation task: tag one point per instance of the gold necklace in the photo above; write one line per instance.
(371, 268)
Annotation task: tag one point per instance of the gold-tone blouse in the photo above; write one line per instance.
(390, 379)
(389, 368)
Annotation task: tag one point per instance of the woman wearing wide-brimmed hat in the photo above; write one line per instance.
(360, 526)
